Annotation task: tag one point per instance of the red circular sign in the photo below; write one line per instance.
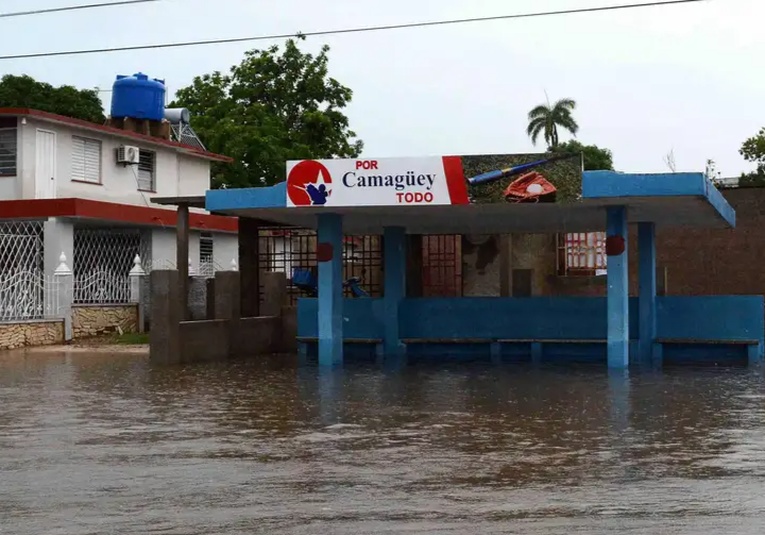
(309, 184)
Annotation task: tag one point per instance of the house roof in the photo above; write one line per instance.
(116, 132)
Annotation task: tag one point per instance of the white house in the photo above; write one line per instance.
(85, 189)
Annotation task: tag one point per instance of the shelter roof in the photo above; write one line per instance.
(666, 199)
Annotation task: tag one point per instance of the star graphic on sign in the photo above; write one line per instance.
(317, 191)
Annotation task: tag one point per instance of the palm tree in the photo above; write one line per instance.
(545, 119)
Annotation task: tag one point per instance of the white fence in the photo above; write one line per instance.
(29, 295)
(101, 287)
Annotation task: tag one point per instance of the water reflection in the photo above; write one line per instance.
(94, 444)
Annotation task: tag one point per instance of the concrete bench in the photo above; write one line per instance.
(752, 346)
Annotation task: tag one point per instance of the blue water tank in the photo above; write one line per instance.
(138, 97)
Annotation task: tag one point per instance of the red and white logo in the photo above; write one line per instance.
(309, 183)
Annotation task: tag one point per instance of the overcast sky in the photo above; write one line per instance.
(686, 78)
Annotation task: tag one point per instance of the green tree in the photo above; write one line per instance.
(271, 108)
(753, 150)
(595, 158)
(545, 119)
(26, 92)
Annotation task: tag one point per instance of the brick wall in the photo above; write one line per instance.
(698, 261)
(711, 262)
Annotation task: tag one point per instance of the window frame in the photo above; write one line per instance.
(153, 180)
(15, 134)
(83, 179)
(578, 271)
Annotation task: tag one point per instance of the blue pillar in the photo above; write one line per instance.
(330, 309)
(618, 293)
(394, 257)
(647, 299)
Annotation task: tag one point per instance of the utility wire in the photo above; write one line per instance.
(73, 8)
(348, 30)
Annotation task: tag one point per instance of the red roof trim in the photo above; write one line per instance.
(114, 212)
(79, 123)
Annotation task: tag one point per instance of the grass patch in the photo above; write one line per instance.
(131, 338)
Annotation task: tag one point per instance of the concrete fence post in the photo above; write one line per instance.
(166, 315)
(274, 293)
(136, 277)
(64, 289)
(228, 307)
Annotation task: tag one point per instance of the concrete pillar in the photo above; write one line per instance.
(136, 277)
(249, 266)
(228, 307)
(227, 289)
(414, 265)
(394, 258)
(182, 258)
(506, 265)
(618, 292)
(274, 293)
(330, 307)
(165, 343)
(210, 299)
(647, 292)
(58, 238)
(64, 279)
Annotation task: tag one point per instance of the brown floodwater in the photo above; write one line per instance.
(96, 444)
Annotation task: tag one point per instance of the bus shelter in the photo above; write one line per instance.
(401, 196)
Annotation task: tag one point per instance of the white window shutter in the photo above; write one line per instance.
(86, 160)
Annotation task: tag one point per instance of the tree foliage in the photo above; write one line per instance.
(26, 92)
(595, 158)
(545, 119)
(271, 108)
(753, 150)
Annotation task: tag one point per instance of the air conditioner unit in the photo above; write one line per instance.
(127, 154)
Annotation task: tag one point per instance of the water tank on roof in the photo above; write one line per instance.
(138, 97)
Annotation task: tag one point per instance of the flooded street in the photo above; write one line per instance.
(94, 444)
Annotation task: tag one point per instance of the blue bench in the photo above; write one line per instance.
(537, 344)
(495, 344)
(752, 346)
(304, 341)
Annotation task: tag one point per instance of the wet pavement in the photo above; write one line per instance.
(93, 444)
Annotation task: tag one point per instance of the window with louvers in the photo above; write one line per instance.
(86, 160)
(146, 173)
(7, 152)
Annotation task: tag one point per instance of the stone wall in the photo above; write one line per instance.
(31, 333)
(93, 320)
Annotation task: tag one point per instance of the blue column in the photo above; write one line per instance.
(647, 277)
(618, 293)
(330, 307)
(394, 257)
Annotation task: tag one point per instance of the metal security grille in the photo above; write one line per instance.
(206, 255)
(22, 283)
(103, 258)
(441, 266)
(283, 250)
(582, 254)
